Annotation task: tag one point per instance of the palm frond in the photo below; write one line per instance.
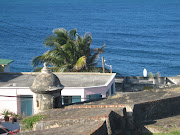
(68, 53)
(80, 63)
(37, 61)
(72, 33)
(49, 41)
(87, 38)
(62, 35)
(64, 68)
(92, 60)
(60, 32)
(78, 39)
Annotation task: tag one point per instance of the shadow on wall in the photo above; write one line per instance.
(132, 128)
(122, 125)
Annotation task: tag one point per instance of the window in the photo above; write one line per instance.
(70, 99)
(76, 99)
(37, 103)
(93, 97)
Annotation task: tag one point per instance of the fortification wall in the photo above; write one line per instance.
(158, 109)
(138, 83)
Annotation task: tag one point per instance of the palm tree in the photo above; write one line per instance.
(69, 51)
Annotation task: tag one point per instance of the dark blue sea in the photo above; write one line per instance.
(136, 32)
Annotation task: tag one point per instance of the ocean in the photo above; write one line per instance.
(137, 33)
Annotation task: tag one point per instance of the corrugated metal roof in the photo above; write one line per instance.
(5, 61)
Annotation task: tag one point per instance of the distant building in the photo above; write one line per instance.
(5, 65)
(15, 93)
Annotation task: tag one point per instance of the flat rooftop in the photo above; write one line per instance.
(25, 79)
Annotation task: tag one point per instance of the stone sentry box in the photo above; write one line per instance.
(47, 88)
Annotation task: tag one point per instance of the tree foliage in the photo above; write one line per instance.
(69, 51)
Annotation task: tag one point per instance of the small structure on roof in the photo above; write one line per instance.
(47, 88)
(5, 65)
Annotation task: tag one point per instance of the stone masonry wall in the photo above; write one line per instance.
(156, 109)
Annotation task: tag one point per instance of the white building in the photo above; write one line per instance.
(16, 96)
(5, 65)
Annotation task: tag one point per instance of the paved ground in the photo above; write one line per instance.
(75, 113)
(77, 129)
(72, 121)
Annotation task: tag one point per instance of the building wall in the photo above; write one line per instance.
(9, 103)
(1, 68)
(10, 98)
(96, 90)
(7, 68)
(101, 89)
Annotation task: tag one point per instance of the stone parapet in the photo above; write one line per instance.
(96, 106)
(157, 109)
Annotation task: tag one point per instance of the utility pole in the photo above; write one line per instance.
(103, 64)
(111, 68)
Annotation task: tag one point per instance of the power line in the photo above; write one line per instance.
(24, 100)
(15, 96)
(63, 97)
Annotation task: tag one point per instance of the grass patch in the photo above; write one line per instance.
(29, 121)
(148, 88)
(171, 133)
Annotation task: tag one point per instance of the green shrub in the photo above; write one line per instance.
(157, 75)
(151, 75)
(29, 121)
(6, 113)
